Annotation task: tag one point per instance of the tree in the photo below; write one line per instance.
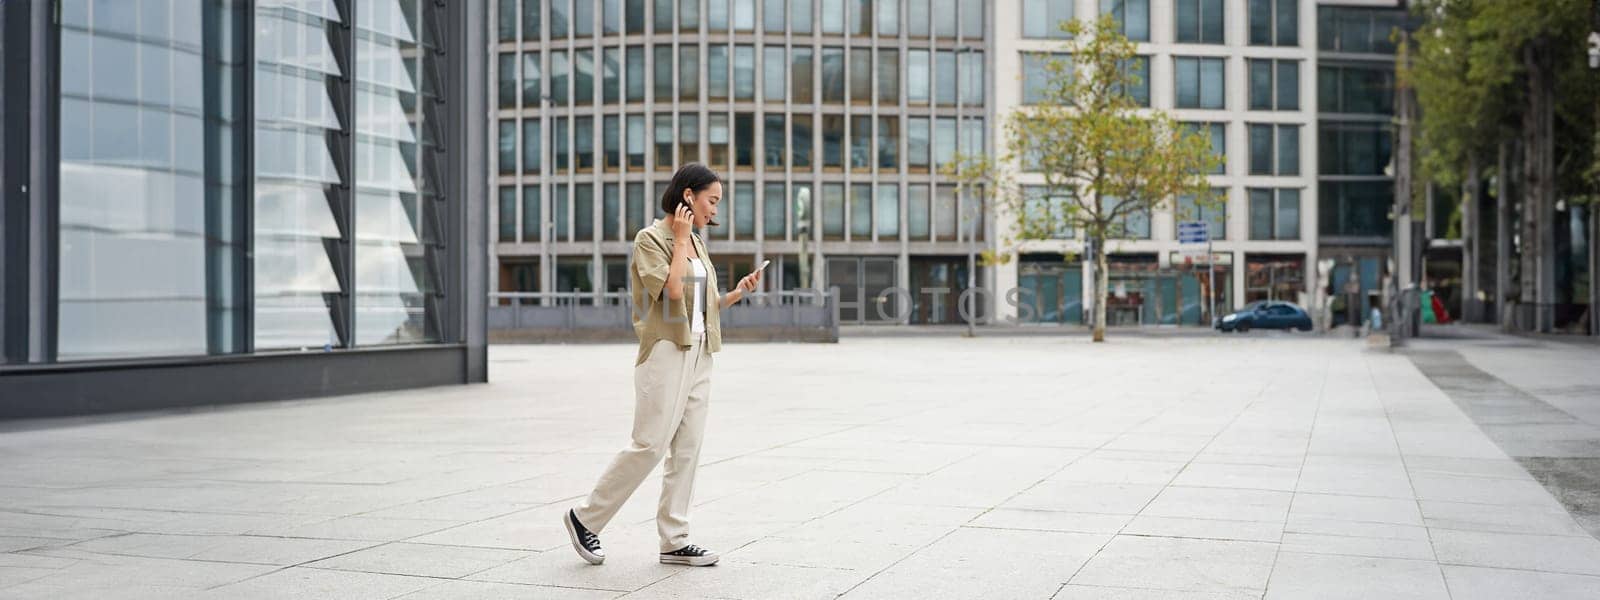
(1104, 160)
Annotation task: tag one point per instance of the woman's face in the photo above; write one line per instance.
(704, 203)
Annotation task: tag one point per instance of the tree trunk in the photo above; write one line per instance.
(1539, 200)
(1101, 281)
(1502, 229)
(1403, 277)
(1471, 307)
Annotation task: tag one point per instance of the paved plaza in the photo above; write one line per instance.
(1276, 466)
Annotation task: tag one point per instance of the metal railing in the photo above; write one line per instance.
(550, 312)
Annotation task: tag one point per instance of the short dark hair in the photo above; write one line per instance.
(694, 177)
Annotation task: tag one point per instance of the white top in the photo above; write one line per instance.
(697, 319)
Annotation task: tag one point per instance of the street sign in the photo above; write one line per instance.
(1193, 237)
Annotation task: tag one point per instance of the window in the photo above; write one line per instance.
(717, 72)
(800, 87)
(972, 19)
(861, 211)
(1355, 208)
(972, 137)
(918, 225)
(800, 16)
(1199, 21)
(1355, 90)
(833, 141)
(773, 140)
(944, 18)
(689, 73)
(664, 142)
(689, 15)
(861, 143)
(917, 81)
(532, 225)
(833, 211)
(889, 18)
(1036, 75)
(861, 75)
(889, 143)
(861, 17)
(558, 78)
(1134, 225)
(611, 212)
(1133, 15)
(1217, 133)
(508, 146)
(773, 213)
(635, 16)
(611, 76)
(718, 136)
(583, 134)
(944, 142)
(945, 78)
(888, 77)
(919, 144)
(532, 10)
(636, 71)
(1269, 142)
(1274, 22)
(688, 138)
(972, 78)
(1214, 213)
(558, 19)
(583, 18)
(744, 210)
(562, 207)
(744, 141)
(1199, 82)
(611, 128)
(917, 18)
(530, 79)
(508, 20)
(1274, 84)
(1138, 69)
(833, 17)
(559, 140)
(1045, 213)
(663, 20)
(717, 15)
(611, 17)
(744, 73)
(887, 210)
(1043, 18)
(744, 15)
(1274, 214)
(1358, 30)
(773, 74)
(663, 71)
(583, 212)
(1353, 148)
(833, 75)
(800, 141)
(636, 207)
(636, 142)
(508, 80)
(530, 146)
(772, 16)
(583, 78)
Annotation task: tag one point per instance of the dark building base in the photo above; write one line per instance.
(67, 389)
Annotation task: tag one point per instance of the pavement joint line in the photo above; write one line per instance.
(1393, 437)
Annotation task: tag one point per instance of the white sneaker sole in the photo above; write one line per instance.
(693, 561)
(572, 534)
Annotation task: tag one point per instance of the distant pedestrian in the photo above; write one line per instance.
(675, 315)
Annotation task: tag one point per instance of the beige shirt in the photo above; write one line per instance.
(655, 317)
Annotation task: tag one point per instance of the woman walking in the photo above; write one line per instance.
(675, 315)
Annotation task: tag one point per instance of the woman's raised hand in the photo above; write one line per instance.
(682, 221)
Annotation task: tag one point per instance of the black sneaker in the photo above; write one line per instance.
(691, 555)
(584, 541)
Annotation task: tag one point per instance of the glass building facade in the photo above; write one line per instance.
(828, 119)
(242, 185)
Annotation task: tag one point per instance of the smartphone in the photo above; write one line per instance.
(764, 264)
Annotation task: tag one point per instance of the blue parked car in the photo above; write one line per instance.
(1266, 315)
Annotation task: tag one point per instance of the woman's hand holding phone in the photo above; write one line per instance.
(753, 280)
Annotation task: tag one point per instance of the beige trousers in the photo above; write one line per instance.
(671, 390)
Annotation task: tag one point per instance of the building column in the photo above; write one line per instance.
(1471, 306)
